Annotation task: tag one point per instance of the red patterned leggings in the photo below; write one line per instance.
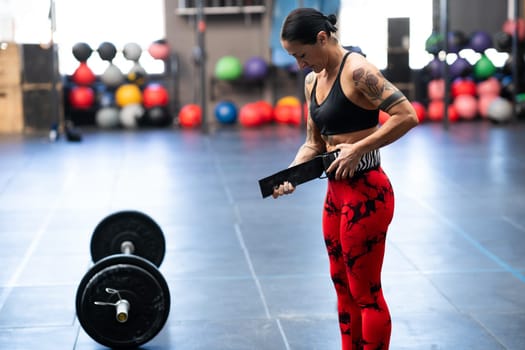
(356, 216)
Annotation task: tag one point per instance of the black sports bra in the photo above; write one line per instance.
(337, 114)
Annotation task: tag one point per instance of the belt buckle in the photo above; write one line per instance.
(328, 158)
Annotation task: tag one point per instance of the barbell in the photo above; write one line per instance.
(123, 301)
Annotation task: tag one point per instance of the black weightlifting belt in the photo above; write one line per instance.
(298, 174)
(313, 169)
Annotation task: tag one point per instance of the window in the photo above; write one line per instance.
(364, 23)
(93, 22)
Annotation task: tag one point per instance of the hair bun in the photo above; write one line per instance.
(332, 19)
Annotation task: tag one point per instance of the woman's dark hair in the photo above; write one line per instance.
(303, 24)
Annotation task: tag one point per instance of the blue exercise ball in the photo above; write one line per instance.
(480, 41)
(226, 112)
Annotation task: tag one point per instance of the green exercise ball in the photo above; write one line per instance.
(228, 68)
(484, 68)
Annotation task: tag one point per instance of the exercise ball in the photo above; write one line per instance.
(484, 102)
(107, 117)
(491, 86)
(249, 116)
(460, 68)
(436, 89)
(228, 68)
(255, 68)
(456, 41)
(159, 50)
(107, 51)
(480, 41)
(128, 94)
(226, 112)
(288, 101)
(463, 87)
(81, 97)
(137, 74)
(420, 109)
(436, 109)
(288, 114)
(434, 68)
(106, 98)
(190, 116)
(434, 43)
(500, 110)
(383, 117)
(484, 68)
(132, 51)
(82, 51)
(155, 95)
(453, 114)
(130, 115)
(265, 110)
(158, 116)
(466, 106)
(509, 27)
(112, 77)
(503, 41)
(83, 75)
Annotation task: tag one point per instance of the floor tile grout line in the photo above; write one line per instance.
(238, 232)
(283, 334)
(513, 223)
(465, 235)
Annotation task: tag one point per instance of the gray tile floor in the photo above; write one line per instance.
(248, 273)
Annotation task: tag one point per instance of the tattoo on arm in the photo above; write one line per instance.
(392, 100)
(374, 86)
(308, 81)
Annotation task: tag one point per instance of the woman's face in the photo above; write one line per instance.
(307, 55)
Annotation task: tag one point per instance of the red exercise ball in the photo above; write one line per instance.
(491, 86)
(453, 115)
(510, 25)
(155, 95)
(421, 112)
(467, 106)
(383, 117)
(190, 116)
(81, 97)
(436, 109)
(265, 110)
(159, 50)
(436, 89)
(249, 115)
(463, 87)
(288, 114)
(83, 75)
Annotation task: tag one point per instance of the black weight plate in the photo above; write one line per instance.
(128, 225)
(140, 283)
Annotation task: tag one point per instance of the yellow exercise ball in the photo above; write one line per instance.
(288, 101)
(128, 94)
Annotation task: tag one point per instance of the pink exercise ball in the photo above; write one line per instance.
(491, 86)
(436, 89)
(466, 106)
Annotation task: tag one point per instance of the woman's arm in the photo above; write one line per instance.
(312, 146)
(377, 92)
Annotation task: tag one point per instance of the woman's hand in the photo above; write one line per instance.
(343, 167)
(282, 189)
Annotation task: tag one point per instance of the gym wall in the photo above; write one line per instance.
(242, 35)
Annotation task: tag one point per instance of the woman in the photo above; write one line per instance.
(344, 93)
